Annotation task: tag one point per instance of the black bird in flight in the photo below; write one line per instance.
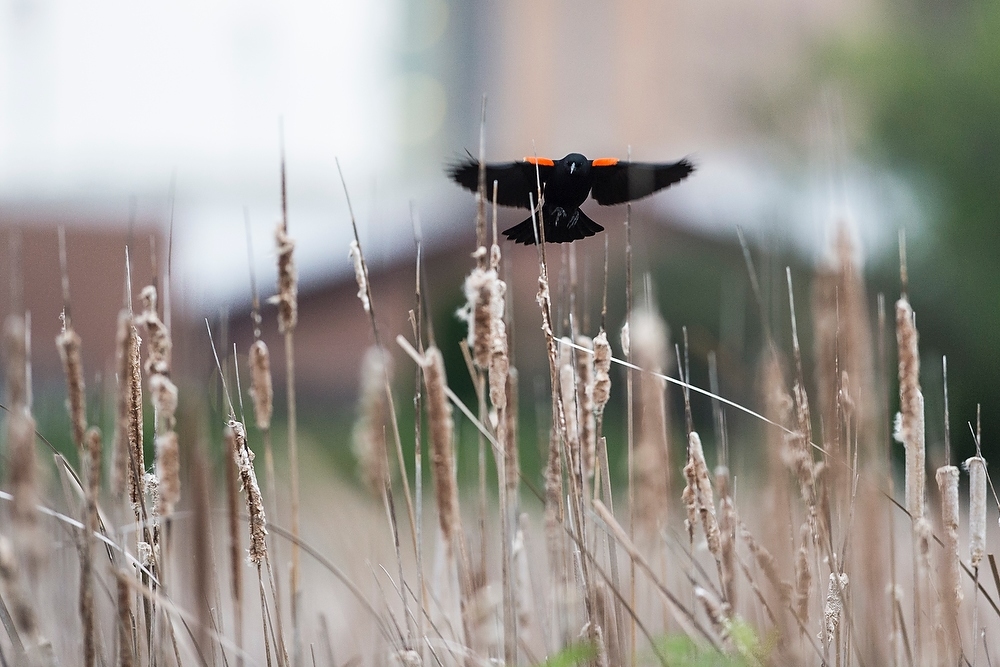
(566, 184)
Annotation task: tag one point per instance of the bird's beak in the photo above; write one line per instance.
(572, 167)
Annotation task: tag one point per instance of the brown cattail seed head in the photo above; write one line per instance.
(834, 604)
(288, 281)
(129, 465)
(261, 387)
(236, 436)
(69, 345)
(442, 447)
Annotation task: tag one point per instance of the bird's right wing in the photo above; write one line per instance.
(617, 182)
(515, 180)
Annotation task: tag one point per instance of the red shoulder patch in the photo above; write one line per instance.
(540, 161)
(604, 162)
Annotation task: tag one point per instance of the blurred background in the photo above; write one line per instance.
(158, 126)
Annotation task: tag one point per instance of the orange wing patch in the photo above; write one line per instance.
(540, 161)
(604, 162)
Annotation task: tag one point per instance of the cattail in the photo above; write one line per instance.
(442, 447)
(480, 290)
(168, 465)
(727, 537)
(92, 477)
(499, 348)
(15, 348)
(602, 371)
(287, 298)
(261, 387)
(567, 393)
(69, 345)
(359, 274)
(158, 343)
(585, 403)
(369, 431)
(248, 481)
(706, 498)
(951, 588)
(22, 612)
(512, 455)
(124, 598)
(523, 585)
(803, 575)
(910, 422)
(977, 508)
(834, 605)
(129, 465)
(649, 337)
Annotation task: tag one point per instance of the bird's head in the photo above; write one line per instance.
(575, 165)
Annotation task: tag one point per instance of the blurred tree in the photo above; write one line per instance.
(929, 85)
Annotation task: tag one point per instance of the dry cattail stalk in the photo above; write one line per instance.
(803, 575)
(287, 297)
(261, 387)
(585, 403)
(951, 587)
(369, 431)
(22, 468)
(910, 421)
(602, 371)
(976, 466)
(834, 606)
(244, 457)
(442, 446)
(360, 275)
(16, 353)
(522, 583)
(512, 458)
(649, 340)
(69, 345)
(168, 465)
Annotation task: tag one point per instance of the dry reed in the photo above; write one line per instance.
(910, 421)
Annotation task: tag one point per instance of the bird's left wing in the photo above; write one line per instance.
(515, 180)
(617, 182)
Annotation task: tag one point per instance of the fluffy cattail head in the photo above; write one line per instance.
(158, 343)
(168, 464)
(261, 387)
(602, 371)
(585, 403)
(359, 274)
(977, 508)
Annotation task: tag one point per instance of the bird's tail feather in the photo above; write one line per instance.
(581, 228)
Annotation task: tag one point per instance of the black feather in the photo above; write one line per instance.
(628, 181)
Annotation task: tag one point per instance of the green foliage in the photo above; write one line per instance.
(571, 656)
(749, 650)
(924, 75)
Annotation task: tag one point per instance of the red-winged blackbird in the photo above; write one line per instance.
(566, 184)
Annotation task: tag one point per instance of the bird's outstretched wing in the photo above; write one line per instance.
(515, 180)
(617, 182)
